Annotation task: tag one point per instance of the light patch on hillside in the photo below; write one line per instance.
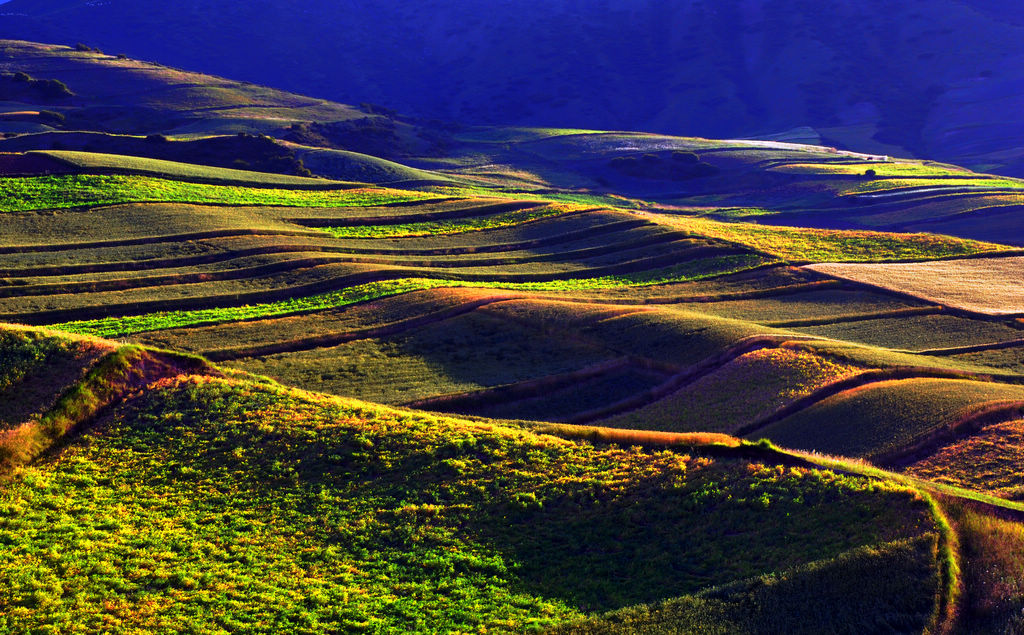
(987, 285)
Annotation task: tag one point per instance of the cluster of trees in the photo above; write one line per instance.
(46, 88)
(679, 166)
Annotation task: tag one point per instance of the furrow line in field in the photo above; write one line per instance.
(327, 340)
(685, 377)
(122, 284)
(976, 348)
(859, 317)
(345, 255)
(855, 382)
(520, 390)
(399, 219)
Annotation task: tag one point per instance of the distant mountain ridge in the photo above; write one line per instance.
(936, 78)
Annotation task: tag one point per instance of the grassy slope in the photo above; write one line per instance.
(887, 417)
(738, 393)
(37, 367)
(229, 504)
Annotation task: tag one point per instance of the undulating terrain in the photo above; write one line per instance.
(936, 79)
(271, 363)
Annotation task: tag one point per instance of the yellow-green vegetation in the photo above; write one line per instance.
(993, 568)
(801, 244)
(224, 504)
(116, 326)
(55, 192)
(515, 134)
(145, 490)
(880, 168)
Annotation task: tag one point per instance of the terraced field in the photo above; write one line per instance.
(573, 371)
(517, 309)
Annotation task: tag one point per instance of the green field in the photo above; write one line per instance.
(56, 192)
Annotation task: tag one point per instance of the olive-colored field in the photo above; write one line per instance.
(987, 460)
(885, 418)
(738, 393)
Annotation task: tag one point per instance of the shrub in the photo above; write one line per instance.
(683, 156)
(627, 165)
(24, 78)
(52, 88)
(870, 173)
(52, 118)
(83, 47)
(156, 138)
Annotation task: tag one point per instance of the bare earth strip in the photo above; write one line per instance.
(986, 285)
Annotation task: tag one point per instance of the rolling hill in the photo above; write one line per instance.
(935, 79)
(496, 378)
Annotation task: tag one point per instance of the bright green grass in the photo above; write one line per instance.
(118, 326)
(53, 192)
(210, 505)
(592, 200)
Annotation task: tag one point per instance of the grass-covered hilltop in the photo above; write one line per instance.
(274, 364)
